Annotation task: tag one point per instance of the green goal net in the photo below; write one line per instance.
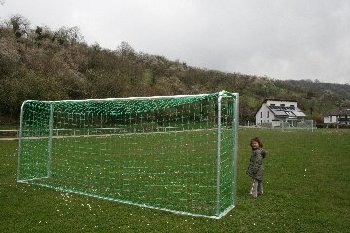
(174, 153)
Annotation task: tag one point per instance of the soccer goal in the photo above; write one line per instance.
(298, 125)
(173, 153)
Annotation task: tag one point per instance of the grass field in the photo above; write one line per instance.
(172, 170)
(307, 189)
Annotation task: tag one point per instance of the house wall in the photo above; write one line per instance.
(330, 119)
(336, 120)
(344, 119)
(264, 115)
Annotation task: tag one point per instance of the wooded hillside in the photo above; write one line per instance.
(40, 63)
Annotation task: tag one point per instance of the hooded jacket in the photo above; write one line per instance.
(256, 169)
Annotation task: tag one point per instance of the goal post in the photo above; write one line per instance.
(173, 153)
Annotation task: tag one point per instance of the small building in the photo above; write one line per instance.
(338, 117)
(274, 112)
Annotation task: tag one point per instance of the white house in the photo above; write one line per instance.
(341, 116)
(273, 112)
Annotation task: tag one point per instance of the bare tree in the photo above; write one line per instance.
(20, 26)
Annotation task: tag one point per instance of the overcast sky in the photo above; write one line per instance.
(280, 39)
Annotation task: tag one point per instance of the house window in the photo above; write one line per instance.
(260, 114)
(283, 105)
(268, 114)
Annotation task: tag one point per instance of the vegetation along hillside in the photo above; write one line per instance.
(40, 63)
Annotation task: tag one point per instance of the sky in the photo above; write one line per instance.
(279, 39)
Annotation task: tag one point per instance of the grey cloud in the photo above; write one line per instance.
(281, 39)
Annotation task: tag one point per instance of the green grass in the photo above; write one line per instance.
(9, 127)
(307, 189)
(173, 170)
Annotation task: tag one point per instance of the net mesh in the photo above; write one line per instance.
(171, 153)
(298, 125)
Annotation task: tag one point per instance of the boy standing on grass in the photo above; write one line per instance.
(255, 168)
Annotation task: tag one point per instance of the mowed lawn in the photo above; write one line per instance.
(307, 189)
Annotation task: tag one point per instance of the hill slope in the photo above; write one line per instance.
(51, 65)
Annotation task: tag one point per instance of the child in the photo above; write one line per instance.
(255, 168)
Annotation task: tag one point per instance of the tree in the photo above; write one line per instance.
(126, 52)
(67, 36)
(19, 25)
(148, 77)
(125, 49)
(9, 56)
